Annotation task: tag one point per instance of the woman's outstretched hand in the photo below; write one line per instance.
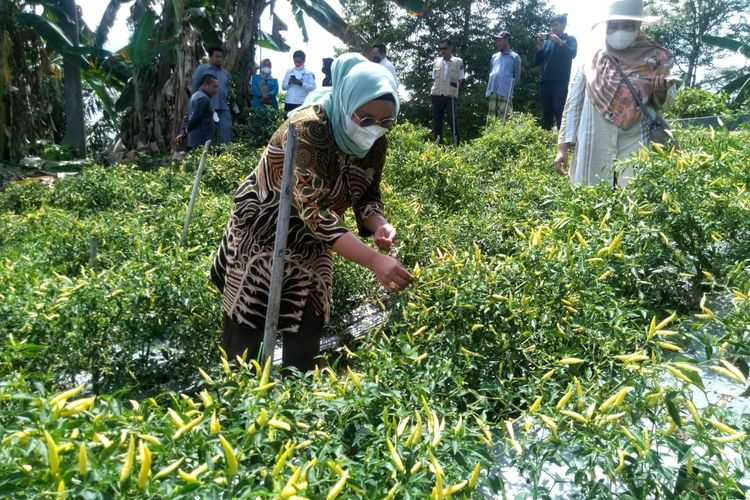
(385, 236)
(391, 273)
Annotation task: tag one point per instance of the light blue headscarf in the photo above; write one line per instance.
(355, 81)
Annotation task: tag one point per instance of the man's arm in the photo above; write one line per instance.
(285, 81)
(201, 107)
(571, 47)
(517, 68)
(308, 81)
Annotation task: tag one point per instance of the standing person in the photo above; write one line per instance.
(341, 151)
(298, 82)
(602, 119)
(505, 70)
(201, 118)
(447, 77)
(327, 61)
(265, 87)
(555, 54)
(220, 100)
(377, 55)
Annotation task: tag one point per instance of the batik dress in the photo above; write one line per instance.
(326, 183)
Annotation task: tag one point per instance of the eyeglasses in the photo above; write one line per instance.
(621, 26)
(369, 121)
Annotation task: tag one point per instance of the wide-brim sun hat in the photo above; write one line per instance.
(628, 10)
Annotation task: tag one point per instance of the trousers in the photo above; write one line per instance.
(553, 95)
(442, 105)
(301, 349)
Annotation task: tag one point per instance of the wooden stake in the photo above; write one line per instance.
(194, 192)
(279, 247)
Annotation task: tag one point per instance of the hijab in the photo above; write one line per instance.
(355, 81)
(641, 62)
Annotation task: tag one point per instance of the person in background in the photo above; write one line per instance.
(341, 150)
(602, 119)
(201, 119)
(377, 55)
(555, 53)
(505, 70)
(220, 100)
(265, 87)
(327, 61)
(298, 82)
(447, 77)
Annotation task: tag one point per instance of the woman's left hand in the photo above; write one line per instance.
(385, 236)
(661, 84)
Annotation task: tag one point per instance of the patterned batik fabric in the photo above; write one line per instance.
(326, 183)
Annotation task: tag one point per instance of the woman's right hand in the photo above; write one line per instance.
(561, 160)
(391, 273)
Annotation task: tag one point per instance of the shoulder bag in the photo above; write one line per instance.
(658, 129)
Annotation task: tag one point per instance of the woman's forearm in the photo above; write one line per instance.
(352, 248)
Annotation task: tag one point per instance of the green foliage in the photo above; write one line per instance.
(546, 325)
(259, 126)
(23, 196)
(695, 102)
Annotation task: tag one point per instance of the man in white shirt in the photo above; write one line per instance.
(447, 77)
(378, 56)
(298, 82)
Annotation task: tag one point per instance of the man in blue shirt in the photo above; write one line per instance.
(555, 52)
(220, 100)
(201, 118)
(505, 70)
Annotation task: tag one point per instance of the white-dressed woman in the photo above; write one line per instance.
(341, 148)
(602, 121)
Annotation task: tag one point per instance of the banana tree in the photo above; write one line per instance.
(739, 87)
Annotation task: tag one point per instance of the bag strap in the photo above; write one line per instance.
(630, 86)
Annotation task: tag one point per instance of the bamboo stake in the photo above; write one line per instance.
(194, 192)
(279, 247)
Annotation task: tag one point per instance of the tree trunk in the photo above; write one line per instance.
(75, 133)
(241, 47)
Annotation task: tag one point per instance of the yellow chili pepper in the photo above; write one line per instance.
(187, 428)
(83, 463)
(127, 464)
(395, 458)
(565, 398)
(229, 457)
(52, 455)
(338, 487)
(169, 468)
(65, 395)
(145, 470)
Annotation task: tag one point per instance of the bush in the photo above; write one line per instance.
(693, 102)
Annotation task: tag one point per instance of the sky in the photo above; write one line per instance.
(581, 16)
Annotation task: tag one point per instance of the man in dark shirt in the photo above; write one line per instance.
(555, 52)
(201, 117)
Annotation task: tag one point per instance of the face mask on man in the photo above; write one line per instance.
(298, 64)
(620, 40)
(265, 70)
(376, 59)
(364, 137)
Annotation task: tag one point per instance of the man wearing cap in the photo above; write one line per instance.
(505, 70)
(447, 77)
(555, 52)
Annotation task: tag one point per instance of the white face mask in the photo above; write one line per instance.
(364, 137)
(620, 40)
(265, 70)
